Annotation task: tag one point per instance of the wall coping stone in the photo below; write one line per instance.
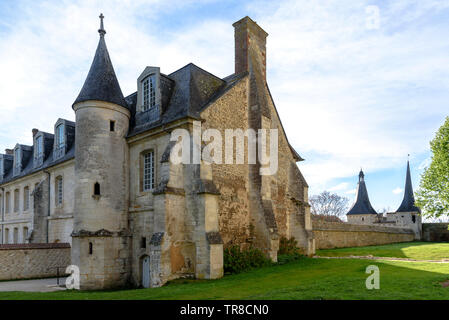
(27, 246)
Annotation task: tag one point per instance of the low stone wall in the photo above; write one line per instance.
(340, 235)
(34, 260)
(436, 232)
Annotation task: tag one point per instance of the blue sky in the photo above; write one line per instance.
(349, 95)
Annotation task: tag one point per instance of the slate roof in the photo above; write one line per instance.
(408, 203)
(362, 204)
(194, 90)
(101, 82)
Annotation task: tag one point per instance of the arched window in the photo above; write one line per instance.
(59, 196)
(60, 136)
(97, 189)
(26, 198)
(149, 92)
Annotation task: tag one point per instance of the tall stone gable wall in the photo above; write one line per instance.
(436, 232)
(24, 261)
(330, 235)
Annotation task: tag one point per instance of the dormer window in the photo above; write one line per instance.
(16, 157)
(60, 136)
(149, 93)
(39, 146)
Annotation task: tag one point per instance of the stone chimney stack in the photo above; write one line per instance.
(9, 151)
(35, 131)
(250, 45)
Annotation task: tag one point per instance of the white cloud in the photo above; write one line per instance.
(398, 190)
(352, 191)
(339, 187)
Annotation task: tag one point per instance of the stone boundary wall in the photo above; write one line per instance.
(34, 260)
(436, 232)
(330, 235)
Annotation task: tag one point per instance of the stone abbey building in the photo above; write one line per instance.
(104, 183)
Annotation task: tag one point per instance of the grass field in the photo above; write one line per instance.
(306, 278)
(410, 250)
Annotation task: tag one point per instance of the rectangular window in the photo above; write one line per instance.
(39, 146)
(149, 93)
(17, 157)
(60, 136)
(7, 202)
(6, 235)
(16, 200)
(16, 235)
(25, 234)
(112, 126)
(148, 171)
(26, 198)
(59, 194)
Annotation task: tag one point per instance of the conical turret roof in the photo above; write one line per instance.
(101, 82)
(362, 204)
(408, 203)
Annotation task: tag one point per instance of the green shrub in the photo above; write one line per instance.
(237, 260)
(288, 250)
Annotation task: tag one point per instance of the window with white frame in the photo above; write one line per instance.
(60, 136)
(26, 198)
(39, 146)
(148, 171)
(149, 92)
(59, 191)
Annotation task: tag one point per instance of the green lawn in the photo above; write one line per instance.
(411, 250)
(306, 278)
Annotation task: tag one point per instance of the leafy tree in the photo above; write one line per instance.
(433, 193)
(328, 204)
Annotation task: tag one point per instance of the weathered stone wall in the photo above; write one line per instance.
(436, 232)
(24, 261)
(339, 235)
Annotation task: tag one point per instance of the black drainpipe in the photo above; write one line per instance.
(49, 202)
(3, 213)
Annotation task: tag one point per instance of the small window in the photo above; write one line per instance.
(97, 189)
(7, 202)
(6, 235)
(148, 171)
(16, 200)
(59, 191)
(414, 219)
(16, 236)
(26, 198)
(39, 146)
(91, 248)
(60, 136)
(112, 126)
(143, 243)
(25, 234)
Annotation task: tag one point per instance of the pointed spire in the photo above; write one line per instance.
(362, 204)
(101, 82)
(408, 203)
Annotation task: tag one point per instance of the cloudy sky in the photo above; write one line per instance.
(357, 83)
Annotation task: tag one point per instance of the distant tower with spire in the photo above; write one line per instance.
(408, 214)
(361, 211)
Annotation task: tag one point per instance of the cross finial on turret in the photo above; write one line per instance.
(101, 31)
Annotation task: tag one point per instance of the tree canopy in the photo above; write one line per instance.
(433, 193)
